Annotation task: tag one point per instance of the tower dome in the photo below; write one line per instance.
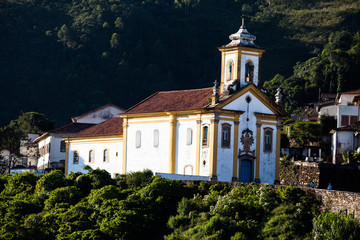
(242, 37)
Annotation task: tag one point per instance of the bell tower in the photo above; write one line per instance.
(240, 61)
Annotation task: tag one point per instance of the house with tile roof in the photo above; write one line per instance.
(228, 132)
(51, 145)
(345, 109)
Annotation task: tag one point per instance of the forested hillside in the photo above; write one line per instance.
(65, 57)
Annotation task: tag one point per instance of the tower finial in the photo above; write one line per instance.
(278, 96)
(215, 97)
(242, 22)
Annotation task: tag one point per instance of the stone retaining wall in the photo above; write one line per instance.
(332, 200)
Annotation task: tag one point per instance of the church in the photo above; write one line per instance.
(227, 132)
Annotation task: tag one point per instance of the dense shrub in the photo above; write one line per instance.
(20, 183)
(48, 182)
(142, 204)
(335, 226)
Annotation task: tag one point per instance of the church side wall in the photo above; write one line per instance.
(186, 153)
(113, 166)
(147, 156)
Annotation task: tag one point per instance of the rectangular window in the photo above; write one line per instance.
(106, 155)
(189, 136)
(225, 136)
(353, 119)
(268, 140)
(62, 146)
(138, 139)
(76, 157)
(344, 120)
(205, 136)
(91, 156)
(156, 138)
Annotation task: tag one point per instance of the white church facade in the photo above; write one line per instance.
(229, 132)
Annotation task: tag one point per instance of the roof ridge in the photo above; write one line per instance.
(66, 125)
(152, 95)
(194, 89)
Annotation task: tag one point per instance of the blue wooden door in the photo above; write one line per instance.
(245, 171)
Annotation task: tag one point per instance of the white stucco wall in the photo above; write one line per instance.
(346, 110)
(345, 141)
(55, 154)
(204, 165)
(329, 111)
(148, 156)
(230, 56)
(267, 159)
(225, 155)
(185, 154)
(113, 166)
(346, 99)
(255, 105)
(44, 160)
(99, 116)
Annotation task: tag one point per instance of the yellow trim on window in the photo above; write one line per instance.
(93, 156)
(108, 155)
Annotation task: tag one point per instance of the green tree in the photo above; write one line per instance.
(335, 226)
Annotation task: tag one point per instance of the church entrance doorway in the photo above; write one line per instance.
(245, 171)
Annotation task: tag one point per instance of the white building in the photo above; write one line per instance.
(226, 134)
(345, 139)
(52, 147)
(345, 109)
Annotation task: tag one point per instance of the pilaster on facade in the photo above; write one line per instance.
(172, 144)
(257, 164)
(214, 121)
(66, 156)
(198, 133)
(277, 160)
(235, 149)
(124, 158)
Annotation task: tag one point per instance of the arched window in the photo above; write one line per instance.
(249, 71)
(189, 136)
(205, 136)
(229, 70)
(225, 135)
(76, 157)
(91, 156)
(106, 155)
(268, 135)
(138, 139)
(156, 138)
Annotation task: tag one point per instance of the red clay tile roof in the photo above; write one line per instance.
(112, 126)
(72, 128)
(350, 128)
(173, 101)
(67, 129)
